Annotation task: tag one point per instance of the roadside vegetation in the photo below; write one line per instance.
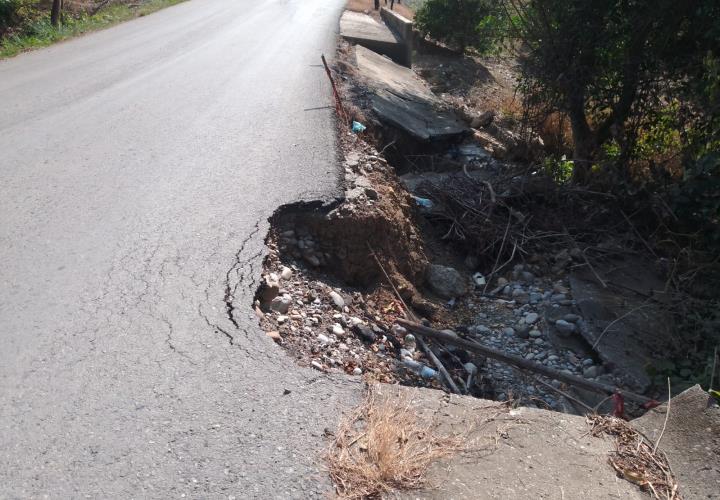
(31, 24)
(630, 92)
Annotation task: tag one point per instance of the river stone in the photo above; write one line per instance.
(522, 330)
(286, 273)
(531, 318)
(337, 299)
(564, 328)
(592, 371)
(446, 282)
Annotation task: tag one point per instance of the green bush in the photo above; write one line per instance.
(458, 23)
(9, 13)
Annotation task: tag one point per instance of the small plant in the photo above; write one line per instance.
(559, 169)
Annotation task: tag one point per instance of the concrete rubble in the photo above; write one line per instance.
(361, 29)
(404, 101)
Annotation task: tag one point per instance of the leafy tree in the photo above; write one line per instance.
(612, 65)
(457, 23)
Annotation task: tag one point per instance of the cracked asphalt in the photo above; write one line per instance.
(138, 167)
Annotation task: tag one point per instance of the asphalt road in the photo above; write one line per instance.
(138, 167)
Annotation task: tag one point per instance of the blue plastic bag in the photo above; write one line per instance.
(358, 127)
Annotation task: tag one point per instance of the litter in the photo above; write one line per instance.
(423, 202)
(358, 127)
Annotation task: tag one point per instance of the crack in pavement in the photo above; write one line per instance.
(231, 289)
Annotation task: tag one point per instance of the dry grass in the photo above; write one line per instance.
(382, 447)
(634, 458)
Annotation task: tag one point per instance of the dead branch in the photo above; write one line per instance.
(518, 362)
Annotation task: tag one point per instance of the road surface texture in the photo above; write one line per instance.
(138, 167)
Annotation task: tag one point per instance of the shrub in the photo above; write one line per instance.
(459, 23)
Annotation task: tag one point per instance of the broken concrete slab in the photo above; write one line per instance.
(402, 100)
(627, 330)
(363, 30)
(512, 453)
(691, 441)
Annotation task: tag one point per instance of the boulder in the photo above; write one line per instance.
(446, 282)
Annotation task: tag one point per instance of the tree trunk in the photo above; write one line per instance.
(55, 12)
(583, 139)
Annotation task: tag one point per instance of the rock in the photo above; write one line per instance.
(531, 318)
(479, 330)
(564, 328)
(282, 319)
(286, 273)
(502, 281)
(535, 334)
(509, 331)
(357, 371)
(588, 362)
(337, 299)
(275, 335)
(446, 282)
(522, 330)
(311, 259)
(269, 290)
(317, 366)
(558, 297)
(592, 371)
(483, 119)
(364, 332)
(324, 339)
(337, 329)
(398, 331)
(281, 304)
(527, 276)
(572, 318)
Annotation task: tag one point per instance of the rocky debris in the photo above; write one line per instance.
(446, 282)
